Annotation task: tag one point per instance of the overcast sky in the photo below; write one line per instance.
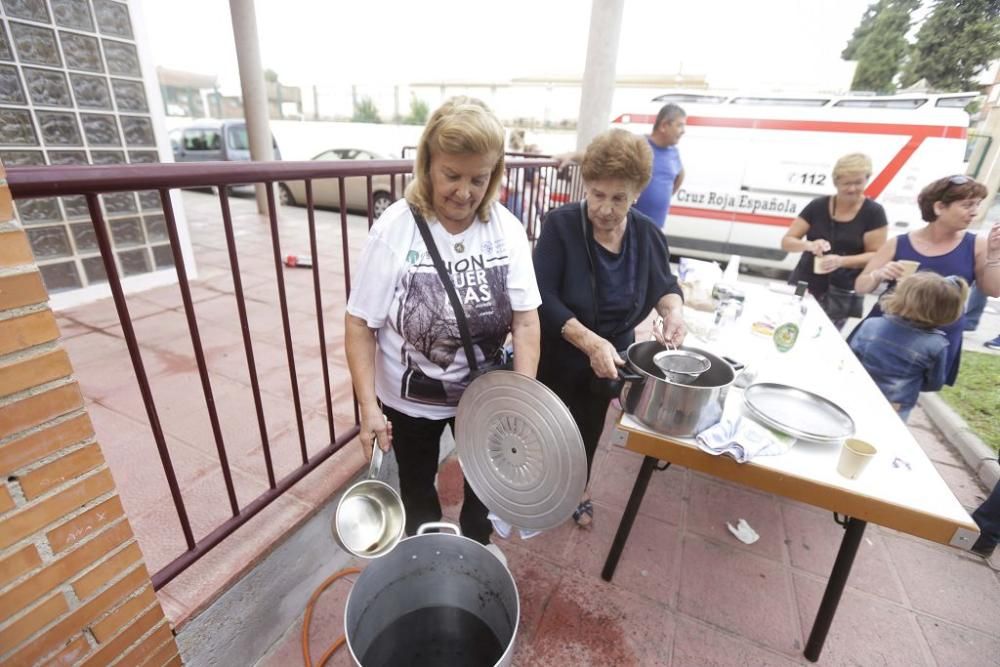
(736, 44)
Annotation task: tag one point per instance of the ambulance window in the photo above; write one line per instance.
(911, 103)
(954, 102)
(679, 98)
(780, 101)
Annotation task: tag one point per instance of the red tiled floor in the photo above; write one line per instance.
(712, 504)
(697, 644)
(960, 590)
(865, 631)
(650, 563)
(749, 594)
(957, 645)
(813, 541)
(936, 450)
(588, 623)
(966, 488)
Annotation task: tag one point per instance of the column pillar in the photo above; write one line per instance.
(253, 86)
(599, 74)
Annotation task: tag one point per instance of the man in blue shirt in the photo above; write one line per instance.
(668, 172)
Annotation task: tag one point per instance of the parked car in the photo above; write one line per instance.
(326, 192)
(203, 142)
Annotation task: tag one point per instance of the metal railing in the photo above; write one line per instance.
(535, 191)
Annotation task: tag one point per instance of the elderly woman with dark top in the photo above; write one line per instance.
(946, 247)
(837, 234)
(404, 349)
(602, 267)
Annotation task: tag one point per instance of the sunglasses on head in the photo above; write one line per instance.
(959, 179)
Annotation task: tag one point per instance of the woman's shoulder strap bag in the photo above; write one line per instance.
(456, 303)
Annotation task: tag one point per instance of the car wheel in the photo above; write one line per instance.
(285, 195)
(380, 202)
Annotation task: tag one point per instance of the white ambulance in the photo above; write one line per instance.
(752, 162)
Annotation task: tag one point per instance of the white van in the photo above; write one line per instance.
(752, 162)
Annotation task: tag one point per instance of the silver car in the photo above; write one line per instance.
(326, 192)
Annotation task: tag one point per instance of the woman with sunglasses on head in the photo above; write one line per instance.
(946, 247)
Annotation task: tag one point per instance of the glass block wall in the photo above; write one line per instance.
(71, 92)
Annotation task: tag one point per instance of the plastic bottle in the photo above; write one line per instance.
(732, 273)
(790, 321)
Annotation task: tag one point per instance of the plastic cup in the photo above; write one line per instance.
(818, 266)
(909, 267)
(854, 457)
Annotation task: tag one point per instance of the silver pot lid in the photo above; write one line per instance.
(520, 450)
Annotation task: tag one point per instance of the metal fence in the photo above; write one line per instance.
(531, 187)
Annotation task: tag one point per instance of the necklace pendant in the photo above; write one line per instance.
(459, 247)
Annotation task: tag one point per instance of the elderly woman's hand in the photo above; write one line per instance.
(374, 425)
(671, 329)
(604, 359)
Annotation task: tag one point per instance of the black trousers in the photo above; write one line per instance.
(588, 406)
(416, 442)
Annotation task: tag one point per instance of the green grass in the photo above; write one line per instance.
(976, 396)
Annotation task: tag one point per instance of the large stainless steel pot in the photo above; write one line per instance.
(436, 599)
(669, 407)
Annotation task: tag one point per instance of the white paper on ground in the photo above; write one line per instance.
(743, 532)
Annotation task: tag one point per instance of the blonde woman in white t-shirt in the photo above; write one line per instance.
(404, 350)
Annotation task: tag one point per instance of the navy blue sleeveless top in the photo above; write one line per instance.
(961, 261)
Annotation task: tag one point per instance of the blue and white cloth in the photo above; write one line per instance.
(743, 439)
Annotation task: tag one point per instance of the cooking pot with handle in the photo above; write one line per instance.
(669, 407)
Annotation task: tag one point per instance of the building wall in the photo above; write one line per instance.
(73, 585)
(73, 91)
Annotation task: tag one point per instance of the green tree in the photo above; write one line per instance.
(365, 111)
(959, 39)
(879, 44)
(418, 111)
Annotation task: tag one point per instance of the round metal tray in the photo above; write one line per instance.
(520, 450)
(798, 412)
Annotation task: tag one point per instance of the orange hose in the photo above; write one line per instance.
(306, 658)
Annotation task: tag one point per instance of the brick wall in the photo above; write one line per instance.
(73, 585)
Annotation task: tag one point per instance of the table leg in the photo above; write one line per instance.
(631, 509)
(854, 530)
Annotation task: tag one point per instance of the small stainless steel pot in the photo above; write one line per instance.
(370, 518)
(672, 408)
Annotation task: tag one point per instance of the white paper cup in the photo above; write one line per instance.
(909, 267)
(854, 457)
(818, 266)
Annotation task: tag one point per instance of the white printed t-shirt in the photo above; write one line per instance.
(421, 368)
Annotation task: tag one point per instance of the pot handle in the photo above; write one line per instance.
(631, 384)
(438, 525)
(376, 464)
(737, 366)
